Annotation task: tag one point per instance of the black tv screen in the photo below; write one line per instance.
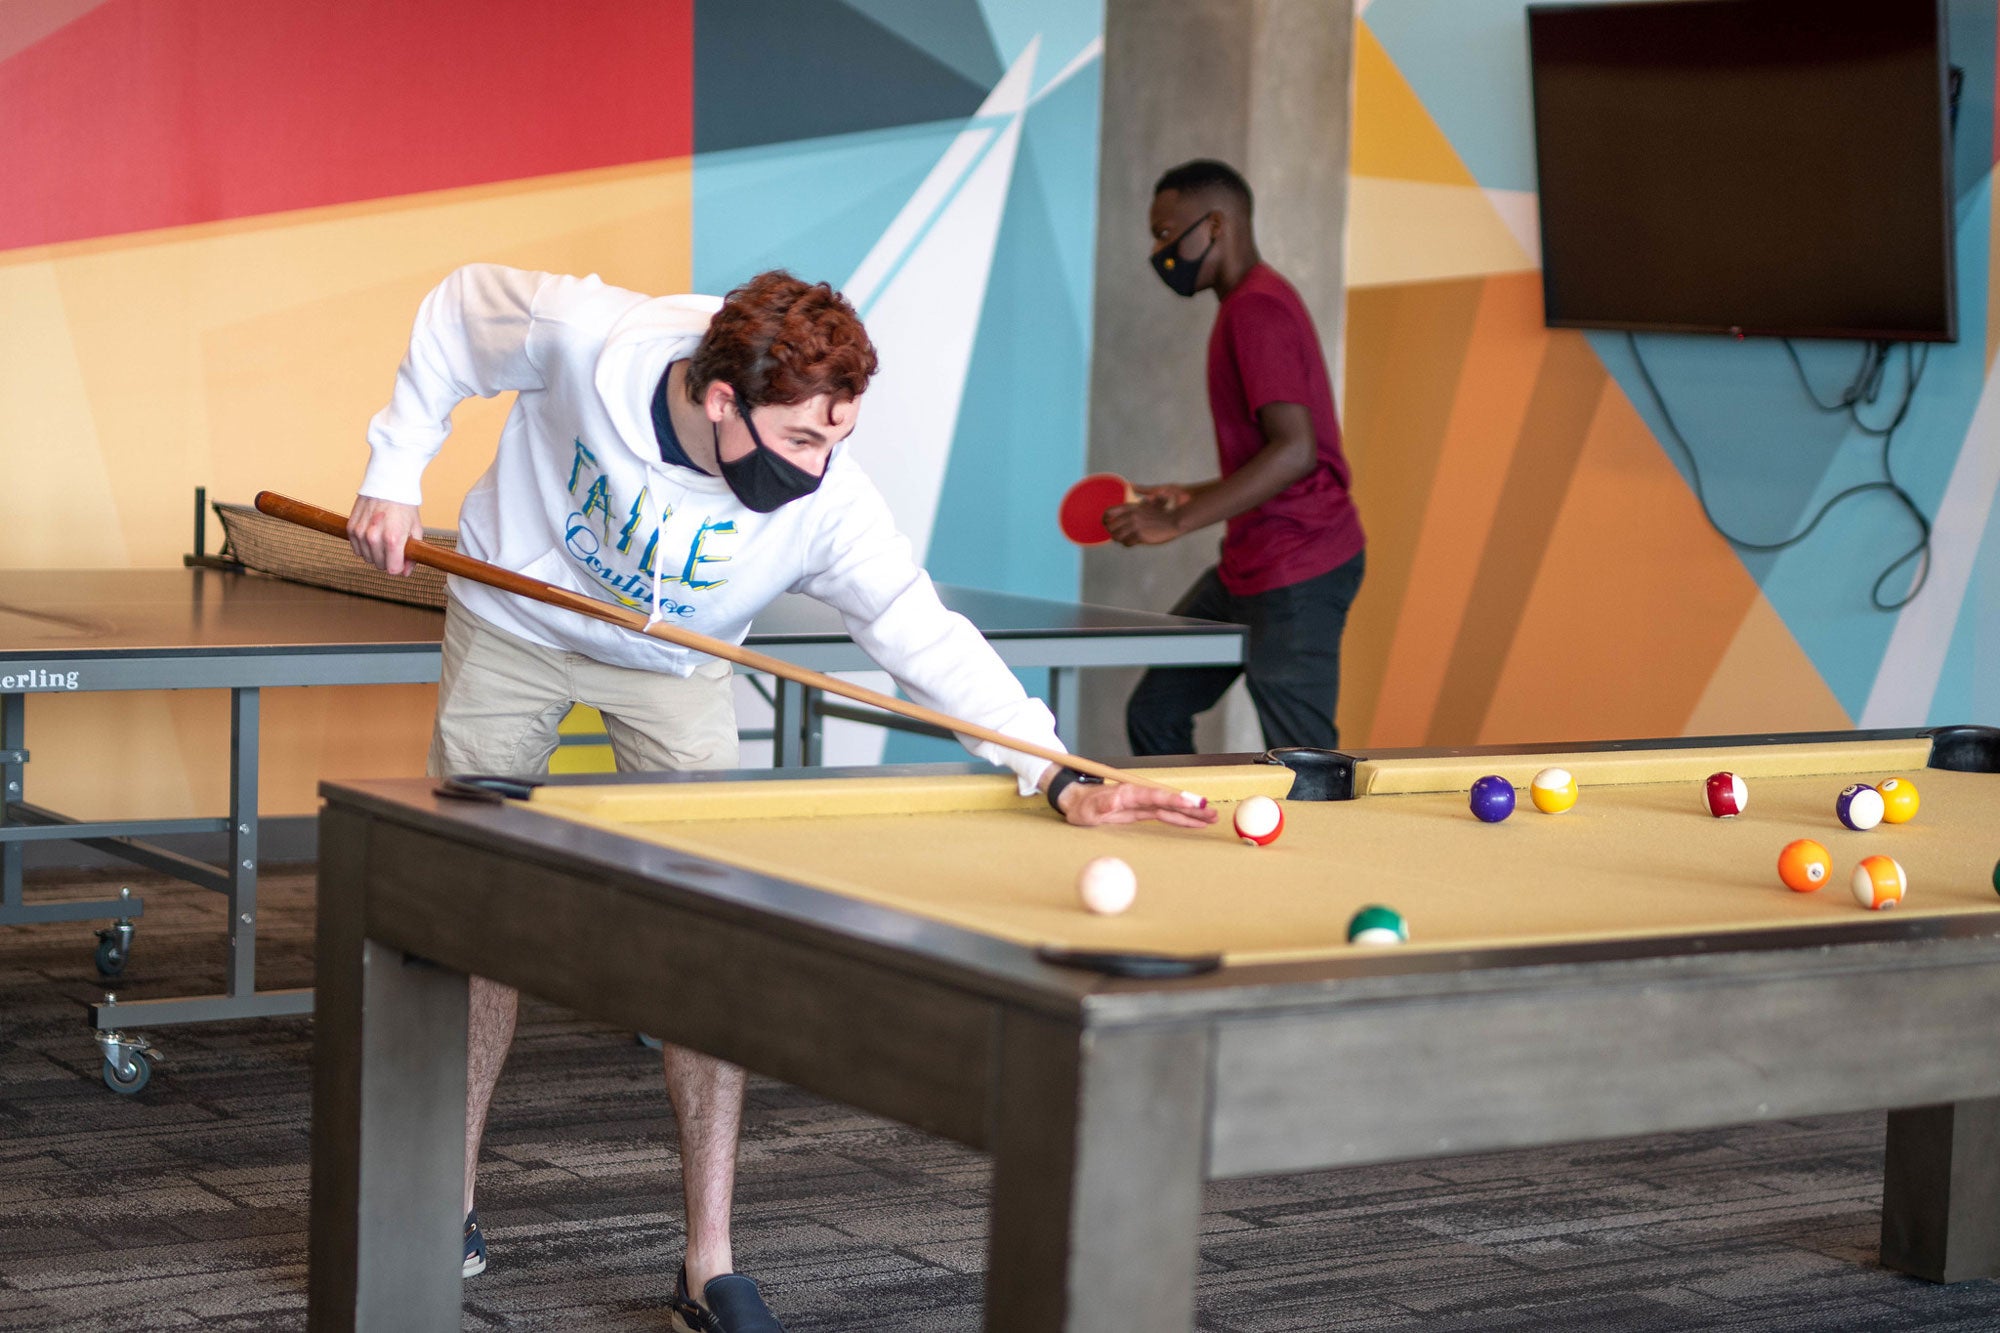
(1745, 166)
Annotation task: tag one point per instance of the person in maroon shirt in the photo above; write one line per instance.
(1292, 546)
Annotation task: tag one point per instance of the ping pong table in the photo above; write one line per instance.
(203, 627)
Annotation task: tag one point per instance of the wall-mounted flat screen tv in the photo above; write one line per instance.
(1776, 167)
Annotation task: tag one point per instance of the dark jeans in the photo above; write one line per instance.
(1292, 664)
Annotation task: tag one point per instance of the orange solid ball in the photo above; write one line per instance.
(1804, 865)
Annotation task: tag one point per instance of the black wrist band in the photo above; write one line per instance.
(1061, 781)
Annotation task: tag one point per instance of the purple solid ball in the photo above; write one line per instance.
(1492, 799)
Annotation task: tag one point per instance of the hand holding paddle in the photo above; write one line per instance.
(1147, 522)
(1085, 503)
(1102, 508)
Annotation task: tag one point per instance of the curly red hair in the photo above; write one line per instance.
(779, 339)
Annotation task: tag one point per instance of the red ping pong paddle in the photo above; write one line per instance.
(1083, 506)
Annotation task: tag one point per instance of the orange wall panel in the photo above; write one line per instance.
(1506, 348)
(1561, 406)
(1405, 345)
(244, 356)
(1633, 599)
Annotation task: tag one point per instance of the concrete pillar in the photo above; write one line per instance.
(1265, 85)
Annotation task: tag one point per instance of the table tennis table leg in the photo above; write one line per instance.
(13, 746)
(237, 881)
(1065, 693)
(243, 719)
(788, 723)
(812, 746)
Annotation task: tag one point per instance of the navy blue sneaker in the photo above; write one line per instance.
(729, 1304)
(475, 1246)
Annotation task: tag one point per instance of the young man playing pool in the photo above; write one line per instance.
(681, 455)
(1292, 553)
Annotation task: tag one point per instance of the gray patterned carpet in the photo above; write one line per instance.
(185, 1207)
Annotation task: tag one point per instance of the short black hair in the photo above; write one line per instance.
(1205, 174)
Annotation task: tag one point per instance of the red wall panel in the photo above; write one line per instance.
(157, 113)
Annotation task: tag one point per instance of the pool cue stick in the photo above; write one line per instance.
(479, 571)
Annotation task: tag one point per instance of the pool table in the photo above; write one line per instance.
(908, 941)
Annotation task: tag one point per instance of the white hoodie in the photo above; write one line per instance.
(579, 497)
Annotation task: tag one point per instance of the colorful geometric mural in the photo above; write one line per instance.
(220, 216)
(961, 220)
(1540, 567)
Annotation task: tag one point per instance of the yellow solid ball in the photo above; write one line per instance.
(1553, 790)
(1899, 800)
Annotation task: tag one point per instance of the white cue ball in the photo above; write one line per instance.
(1107, 886)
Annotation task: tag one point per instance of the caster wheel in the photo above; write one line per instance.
(110, 959)
(138, 1072)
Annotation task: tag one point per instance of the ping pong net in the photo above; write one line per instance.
(284, 550)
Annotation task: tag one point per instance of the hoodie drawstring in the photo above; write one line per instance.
(653, 617)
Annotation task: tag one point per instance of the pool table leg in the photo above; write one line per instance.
(1098, 1154)
(388, 1130)
(1941, 1191)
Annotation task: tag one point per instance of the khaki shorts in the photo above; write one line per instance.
(500, 699)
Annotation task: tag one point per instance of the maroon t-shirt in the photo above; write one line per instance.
(1265, 350)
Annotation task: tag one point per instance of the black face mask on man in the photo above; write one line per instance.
(1181, 275)
(762, 479)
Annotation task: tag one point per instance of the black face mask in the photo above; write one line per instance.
(1182, 275)
(761, 478)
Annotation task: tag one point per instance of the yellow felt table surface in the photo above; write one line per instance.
(1634, 858)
